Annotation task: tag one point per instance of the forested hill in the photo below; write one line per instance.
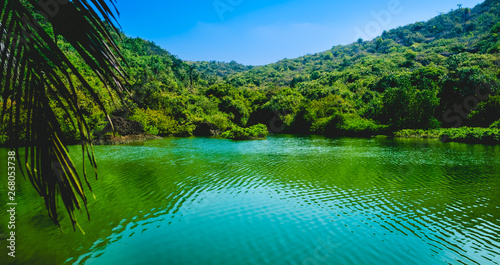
(220, 69)
(461, 30)
(149, 58)
(412, 77)
(407, 78)
(459, 23)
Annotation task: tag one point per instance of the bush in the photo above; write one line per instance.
(356, 126)
(473, 135)
(285, 104)
(495, 125)
(155, 122)
(409, 108)
(352, 125)
(258, 131)
(485, 113)
(220, 120)
(315, 115)
(419, 133)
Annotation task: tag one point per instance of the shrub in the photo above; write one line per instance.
(155, 121)
(486, 112)
(463, 134)
(409, 108)
(352, 125)
(495, 125)
(258, 131)
(220, 120)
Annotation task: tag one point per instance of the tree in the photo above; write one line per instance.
(35, 71)
(467, 12)
(409, 108)
(360, 42)
(485, 113)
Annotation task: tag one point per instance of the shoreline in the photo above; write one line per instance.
(467, 135)
(115, 140)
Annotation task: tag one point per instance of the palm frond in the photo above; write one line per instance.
(34, 69)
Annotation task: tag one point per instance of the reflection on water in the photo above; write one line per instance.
(285, 200)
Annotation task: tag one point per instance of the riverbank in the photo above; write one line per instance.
(256, 132)
(112, 140)
(470, 135)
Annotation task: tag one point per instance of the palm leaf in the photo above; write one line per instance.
(34, 70)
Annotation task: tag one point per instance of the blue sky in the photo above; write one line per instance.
(259, 32)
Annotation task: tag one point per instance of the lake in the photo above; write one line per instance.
(284, 200)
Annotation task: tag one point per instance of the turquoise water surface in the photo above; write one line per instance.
(284, 200)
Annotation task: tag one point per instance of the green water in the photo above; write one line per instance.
(285, 200)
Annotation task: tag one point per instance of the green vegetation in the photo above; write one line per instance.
(475, 135)
(414, 81)
(218, 70)
(254, 132)
(410, 77)
(52, 87)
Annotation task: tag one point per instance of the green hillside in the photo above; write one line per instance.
(459, 31)
(412, 77)
(219, 69)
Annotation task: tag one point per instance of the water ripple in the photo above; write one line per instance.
(290, 200)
